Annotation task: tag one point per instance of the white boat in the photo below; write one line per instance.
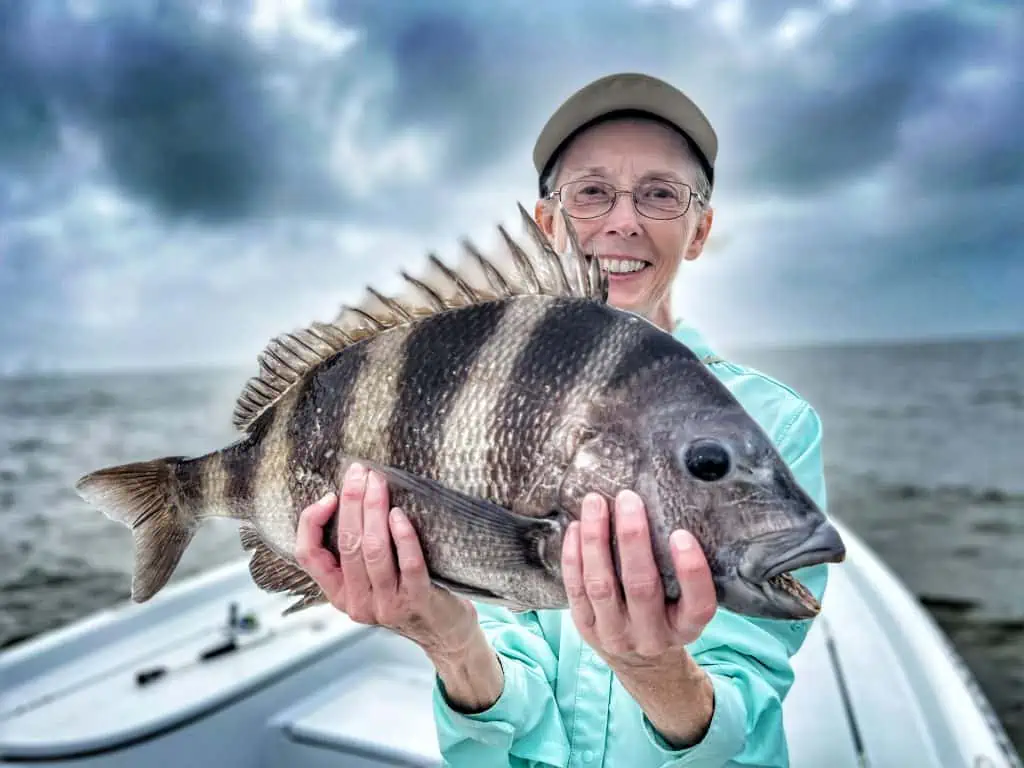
(209, 674)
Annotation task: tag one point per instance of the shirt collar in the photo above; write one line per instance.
(693, 339)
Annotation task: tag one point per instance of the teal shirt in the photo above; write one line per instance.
(562, 706)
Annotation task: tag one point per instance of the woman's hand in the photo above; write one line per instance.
(632, 627)
(368, 584)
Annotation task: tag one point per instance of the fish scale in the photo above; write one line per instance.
(492, 398)
(469, 431)
(561, 355)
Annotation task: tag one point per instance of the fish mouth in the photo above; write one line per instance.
(786, 592)
(768, 571)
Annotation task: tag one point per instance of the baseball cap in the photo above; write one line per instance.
(626, 92)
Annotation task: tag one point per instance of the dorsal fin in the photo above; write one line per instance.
(516, 269)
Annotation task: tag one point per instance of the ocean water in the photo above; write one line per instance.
(924, 451)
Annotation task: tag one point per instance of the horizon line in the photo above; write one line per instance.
(733, 346)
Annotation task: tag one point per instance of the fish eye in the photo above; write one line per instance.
(707, 460)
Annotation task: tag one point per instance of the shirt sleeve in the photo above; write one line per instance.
(747, 659)
(524, 726)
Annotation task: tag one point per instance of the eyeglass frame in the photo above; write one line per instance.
(557, 193)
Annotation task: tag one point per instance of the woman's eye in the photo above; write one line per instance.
(660, 192)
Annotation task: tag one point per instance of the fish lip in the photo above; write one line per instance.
(772, 556)
(822, 545)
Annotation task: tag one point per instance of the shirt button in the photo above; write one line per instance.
(587, 756)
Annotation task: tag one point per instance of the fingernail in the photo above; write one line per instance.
(327, 499)
(591, 508)
(397, 518)
(629, 503)
(355, 473)
(681, 540)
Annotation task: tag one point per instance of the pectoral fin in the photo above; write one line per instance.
(514, 540)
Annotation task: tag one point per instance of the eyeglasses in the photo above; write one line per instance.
(654, 199)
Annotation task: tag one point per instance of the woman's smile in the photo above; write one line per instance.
(621, 268)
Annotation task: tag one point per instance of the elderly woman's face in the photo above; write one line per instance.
(625, 153)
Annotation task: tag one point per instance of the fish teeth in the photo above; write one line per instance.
(786, 582)
(623, 265)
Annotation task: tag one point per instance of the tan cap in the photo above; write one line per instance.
(626, 92)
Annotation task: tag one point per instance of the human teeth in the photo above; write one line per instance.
(623, 265)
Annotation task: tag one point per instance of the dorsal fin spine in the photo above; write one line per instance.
(436, 302)
(301, 344)
(522, 261)
(494, 277)
(391, 304)
(374, 322)
(468, 294)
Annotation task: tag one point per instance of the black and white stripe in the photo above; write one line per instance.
(322, 409)
(463, 454)
(648, 345)
(563, 358)
(239, 464)
(438, 359)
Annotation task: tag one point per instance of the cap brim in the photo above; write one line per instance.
(626, 92)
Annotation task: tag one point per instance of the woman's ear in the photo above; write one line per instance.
(543, 214)
(700, 237)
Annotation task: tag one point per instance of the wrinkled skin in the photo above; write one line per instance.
(369, 583)
(628, 151)
(631, 624)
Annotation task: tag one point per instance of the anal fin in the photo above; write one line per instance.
(307, 601)
(272, 573)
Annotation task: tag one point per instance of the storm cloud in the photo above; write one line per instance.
(180, 180)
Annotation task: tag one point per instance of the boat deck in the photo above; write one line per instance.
(168, 683)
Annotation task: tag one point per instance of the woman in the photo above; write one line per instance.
(619, 678)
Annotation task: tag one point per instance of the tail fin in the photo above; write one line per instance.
(145, 497)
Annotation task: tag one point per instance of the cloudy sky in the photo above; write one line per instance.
(181, 179)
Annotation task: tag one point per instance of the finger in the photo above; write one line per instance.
(697, 601)
(380, 564)
(350, 540)
(599, 578)
(412, 566)
(310, 552)
(572, 574)
(641, 580)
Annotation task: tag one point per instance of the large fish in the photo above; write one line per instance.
(492, 398)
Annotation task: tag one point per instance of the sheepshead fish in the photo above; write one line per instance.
(492, 397)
